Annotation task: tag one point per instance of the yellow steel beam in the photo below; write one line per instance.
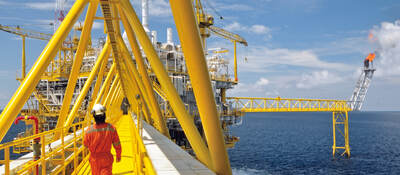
(76, 66)
(23, 59)
(161, 125)
(26, 88)
(189, 36)
(103, 55)
(340, 122)
(106, 85)
(254, 104)
(183, 116)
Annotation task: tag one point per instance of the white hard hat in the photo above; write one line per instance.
(98, 109)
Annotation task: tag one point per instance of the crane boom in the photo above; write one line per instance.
(228, 35)
(27, 33)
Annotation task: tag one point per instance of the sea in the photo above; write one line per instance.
(301, 143)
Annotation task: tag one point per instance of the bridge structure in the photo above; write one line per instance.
(339, 109)
(118, 75)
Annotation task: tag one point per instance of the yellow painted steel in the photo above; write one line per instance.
(340, 122)
(76, 67)
(26, 88)
(103, 55)
(23, 59)
(106, 85)
(235, 61)
(339, 109)
(189, 35)
(254, 104)
(161, 125)
(49, 156)
(182, 115)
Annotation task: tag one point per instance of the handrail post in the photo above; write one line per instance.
(43, 142)
(7, 160)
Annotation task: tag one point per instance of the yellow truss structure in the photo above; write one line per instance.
(339, 108)
(130, 80)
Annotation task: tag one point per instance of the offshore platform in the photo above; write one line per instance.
(167, 100)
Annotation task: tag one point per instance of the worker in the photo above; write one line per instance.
(99, 138)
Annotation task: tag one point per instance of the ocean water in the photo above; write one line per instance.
(301, 143)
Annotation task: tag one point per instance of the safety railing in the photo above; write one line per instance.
(142, 162)
(253, 104)
(46, 160)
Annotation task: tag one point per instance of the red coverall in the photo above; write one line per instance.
(98, 138)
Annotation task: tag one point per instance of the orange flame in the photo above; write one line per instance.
(370, 57)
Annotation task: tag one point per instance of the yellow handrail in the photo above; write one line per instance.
(45, 156)
(256, 104)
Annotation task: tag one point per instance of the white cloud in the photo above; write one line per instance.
(262, 82)
(387, 37)
(257, 28)
(41, 5)
(263, 59)
(317, 78)
(160, 8)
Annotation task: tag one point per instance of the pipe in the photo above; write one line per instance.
(169, 36)
(154, 36)
(36, 140)
(145, 14)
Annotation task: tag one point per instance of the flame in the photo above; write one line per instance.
(370, 57)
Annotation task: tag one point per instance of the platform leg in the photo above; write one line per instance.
(340, 124)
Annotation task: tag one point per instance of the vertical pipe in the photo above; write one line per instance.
(145, 14)
(189, 35)
(23, 59)
(169, 36)
(76, 66)
(177, 105)
(27, 86)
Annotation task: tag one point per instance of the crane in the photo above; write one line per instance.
(23, 33)
(206, 23)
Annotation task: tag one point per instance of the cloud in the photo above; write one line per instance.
(262, 82)
(263, 59)
(349, 45)
(387, 38)
(41, 5)
(257, 28)
(317, 78)
(160, 8)
(260, 87)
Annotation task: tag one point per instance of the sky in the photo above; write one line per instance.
(297, 48)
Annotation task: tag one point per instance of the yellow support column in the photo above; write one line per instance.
(27, 86)
(189, 36)
(340, 124)
(88, 83)
(76, 66)
(162, 126)
(106, 85)
(177, 105)
(23, 59)
(235, 61)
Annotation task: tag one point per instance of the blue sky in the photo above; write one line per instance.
(297, 48)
